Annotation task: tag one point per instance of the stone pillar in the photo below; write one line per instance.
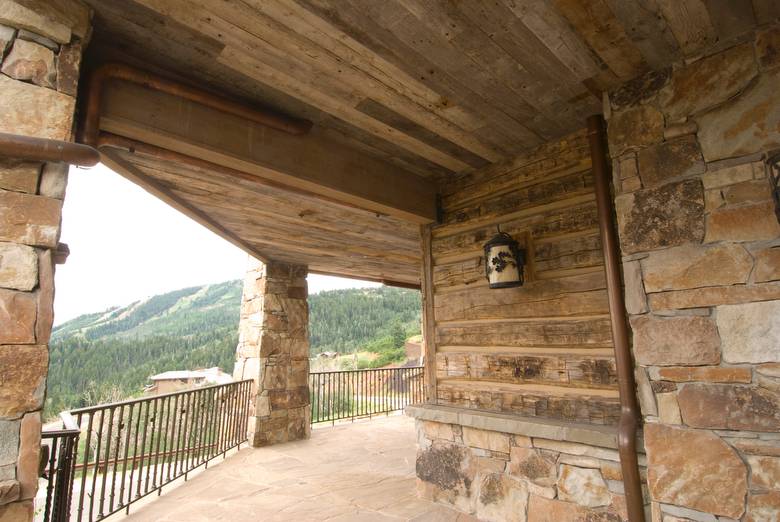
(273, 349)
(41, 44)
(701, 247)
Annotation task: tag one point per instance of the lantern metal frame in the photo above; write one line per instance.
(504, 239)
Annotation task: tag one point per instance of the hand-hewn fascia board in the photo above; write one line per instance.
(115, 162)
(312, 162)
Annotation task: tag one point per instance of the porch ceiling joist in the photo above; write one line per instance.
(313, 163)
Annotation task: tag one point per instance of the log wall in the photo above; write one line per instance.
(544, 349)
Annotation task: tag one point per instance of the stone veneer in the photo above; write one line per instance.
(41, 44)
(701, 253)
(273, 350)
(506, 476)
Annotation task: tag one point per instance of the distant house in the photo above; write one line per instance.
(177, 380)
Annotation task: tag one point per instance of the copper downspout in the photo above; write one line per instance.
(629, 408)
(91, 122)
(41, 149)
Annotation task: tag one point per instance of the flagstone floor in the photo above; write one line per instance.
(350, 472)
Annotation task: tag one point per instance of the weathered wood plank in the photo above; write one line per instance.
(113, 161)
(398, 121)
(261, 49)
(528, 350)
(555, 33)
(428, 315)
(328, 36)
(554, 156)
(690, 23)
(502, 368)
(460, 242)
(730, 18)
(465, 302)
(470, 274)
(309, 162)
(441, 56)
(508, 304)
(576, 332)
(554, 188)
(569, 252)
(647, 29)
(459, 100)
(528, 402)
(479, 31)
(245, 199)
(561, 94)
(598, 26)
(460, 274)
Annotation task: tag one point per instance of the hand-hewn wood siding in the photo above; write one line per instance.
(544, 349)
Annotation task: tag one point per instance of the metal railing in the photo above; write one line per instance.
(350, 394)
(126, 450)
(57, 467)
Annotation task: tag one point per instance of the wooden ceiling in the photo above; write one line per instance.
(437, 88)
(271, 222)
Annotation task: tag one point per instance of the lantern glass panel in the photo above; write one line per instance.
(503, 269)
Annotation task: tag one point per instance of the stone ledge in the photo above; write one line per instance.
(602, 436)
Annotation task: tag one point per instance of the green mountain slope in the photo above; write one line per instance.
(112, 353)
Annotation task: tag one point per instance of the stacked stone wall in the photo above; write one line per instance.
(499, 476)
(273, 350)
(40, 52)
(701, 252)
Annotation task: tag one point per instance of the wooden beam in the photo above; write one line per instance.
(112, 160)
(690, 23)
(428, 315)
(314, 162)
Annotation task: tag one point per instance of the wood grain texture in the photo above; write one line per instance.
(437, 86)
(544, 349)
(690, 23)
(548, 402)
(279, 225)
(312, 163)
(428, 315)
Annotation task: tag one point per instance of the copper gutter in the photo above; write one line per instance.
(629, 408)
(91, 122)
(42, 149)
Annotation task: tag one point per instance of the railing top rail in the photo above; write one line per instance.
(70, 428)
(97, 407)
(369, 370)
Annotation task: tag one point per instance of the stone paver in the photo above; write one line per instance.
(350, 472)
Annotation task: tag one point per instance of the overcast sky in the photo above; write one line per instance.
(127, 245)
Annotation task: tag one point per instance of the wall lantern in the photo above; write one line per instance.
(504, 260)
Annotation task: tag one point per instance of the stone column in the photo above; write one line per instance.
(41, 44)
(273, 349)
(701, 247)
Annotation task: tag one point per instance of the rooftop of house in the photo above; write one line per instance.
(213, 375)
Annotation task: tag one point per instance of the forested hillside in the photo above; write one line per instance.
(111, 354)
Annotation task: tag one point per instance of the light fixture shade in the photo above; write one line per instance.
(504, 262)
